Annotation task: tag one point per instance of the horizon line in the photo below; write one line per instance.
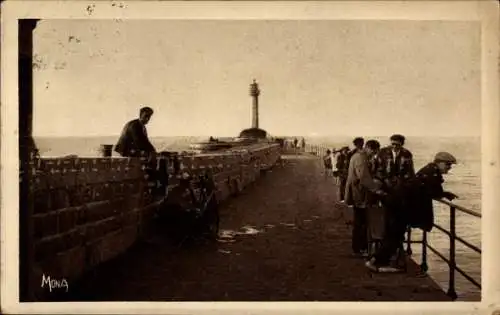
(276, 136)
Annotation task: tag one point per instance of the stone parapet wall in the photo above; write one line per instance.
(86, 211)
(89, 210)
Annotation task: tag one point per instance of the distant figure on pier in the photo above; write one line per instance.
(335, 171)
(342, 166)
(295, 142)
(327, 162)
(360, 186)
(134, 141)
(411, 204)
(303, 144)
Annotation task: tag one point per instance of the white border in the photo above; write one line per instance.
(485, 11)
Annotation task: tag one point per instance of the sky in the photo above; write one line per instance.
(418, 78)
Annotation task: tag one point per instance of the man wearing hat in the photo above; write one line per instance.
(360, 188)
(411, 204)
(396, 162)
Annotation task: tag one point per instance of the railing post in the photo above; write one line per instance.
(451, 285)
(408, 241)
(423, 266)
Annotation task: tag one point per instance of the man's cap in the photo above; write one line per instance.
(373, 144)
(358, 140)
(445, 157)
(398, 138)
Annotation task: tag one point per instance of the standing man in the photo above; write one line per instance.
(360, 186)
(327, 162)
(411, 204)
(359, 143)
(396, 162)
(395, 169)
(358, 146)
(134, 141)
(342, 166)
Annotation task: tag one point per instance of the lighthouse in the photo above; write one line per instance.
(254, 93)
(254, 132)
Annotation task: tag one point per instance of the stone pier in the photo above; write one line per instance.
(283, 239)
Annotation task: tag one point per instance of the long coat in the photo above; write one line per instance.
(134, 140)
(416, 196)
(360, 183)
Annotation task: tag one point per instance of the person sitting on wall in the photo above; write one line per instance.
(134, 141)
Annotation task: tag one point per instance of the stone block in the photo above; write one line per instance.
(111, 245)
(40, 181)
(100, 228)
(45, 224)
(149, 211)
(81, 215)
(118, 205)
(69, 265)
(118, 189)
(41, 201)
(74, 238)
(98, 210)
(67, 219)
(83, 194)
(48, 247)
(90, 177)
(130, 218)
(59, 199)
(61, 178)
(104, 164)
(133, 201)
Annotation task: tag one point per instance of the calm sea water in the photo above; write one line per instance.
(464, 180)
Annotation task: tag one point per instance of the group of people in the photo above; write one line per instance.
(371, 177)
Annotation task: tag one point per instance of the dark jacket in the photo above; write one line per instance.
(134, 140)
(327, 161)
(395, 170)
(342, 165)
(416, 194)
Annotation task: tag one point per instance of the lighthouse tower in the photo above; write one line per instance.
(254, 93)
(255, 131)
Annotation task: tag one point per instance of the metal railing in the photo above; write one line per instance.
(453, 238)
(320, 150)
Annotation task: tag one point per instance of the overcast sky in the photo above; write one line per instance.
(317, 77)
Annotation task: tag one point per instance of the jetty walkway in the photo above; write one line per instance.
(282, 239)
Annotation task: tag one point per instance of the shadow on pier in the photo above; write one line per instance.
(296, 248)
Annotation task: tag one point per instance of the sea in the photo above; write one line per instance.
(464, 180)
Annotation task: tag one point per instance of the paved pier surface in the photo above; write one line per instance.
(302, 253)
